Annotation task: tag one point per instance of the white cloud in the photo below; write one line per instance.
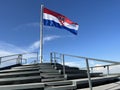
(3, 53)
(8, 49)
(34, 46)
(73, 64)
(49, 38)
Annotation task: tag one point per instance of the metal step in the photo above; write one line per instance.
(45, 63)
(59, 83)
(46, 67)
(49, 71)
(75, 71)
(44, 74)
(19, 70)
(66, 87)
(41, 68)
(28, 86)
(9, 67)
(20, 80)
(96, 74)
(81, 75)
(33, 66)
(52, 79)
(76, 76)
(51, 76)
(19, 74)
(66, 67)
(21, 67)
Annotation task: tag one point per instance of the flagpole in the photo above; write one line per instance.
(41, 35)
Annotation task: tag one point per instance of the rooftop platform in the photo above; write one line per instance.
(54, 76)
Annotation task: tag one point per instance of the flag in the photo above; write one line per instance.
(51, 18)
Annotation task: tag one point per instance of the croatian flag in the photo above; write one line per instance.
(55, 19)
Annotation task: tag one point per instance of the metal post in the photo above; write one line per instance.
(92, 69)
(25, 61)
(55, 59)
(41, 35)
(107, 70)
(63, 62)
(37, 57)
(0, 60)
(51, 58)
(19, 59)
(88, 73)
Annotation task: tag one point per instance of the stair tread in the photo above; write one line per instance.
(20, 78)
(52, 79)
(52, 76)
(18, 73)
(37, 66)
(22, 86)
(66, 87)
(18, 70)
(95, 79)
(50, 73)
(58, 83)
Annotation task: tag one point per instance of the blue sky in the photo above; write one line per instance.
(98, 35)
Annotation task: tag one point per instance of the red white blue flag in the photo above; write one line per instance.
(55, 19)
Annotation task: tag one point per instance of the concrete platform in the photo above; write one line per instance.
(111, 86)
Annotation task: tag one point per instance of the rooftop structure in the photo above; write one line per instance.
(24, 73)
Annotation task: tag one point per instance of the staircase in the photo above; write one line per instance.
(47, 76)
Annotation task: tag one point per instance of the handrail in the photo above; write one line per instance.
(9, 60)
(12, 60)
(53, 56)
(101, 60)
(18, 58)
(106, 65)
(18, 54)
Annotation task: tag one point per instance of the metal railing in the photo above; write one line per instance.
(54, 56)
(18, 58)
(105, 66)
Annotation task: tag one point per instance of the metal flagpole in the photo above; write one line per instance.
(41, 35)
